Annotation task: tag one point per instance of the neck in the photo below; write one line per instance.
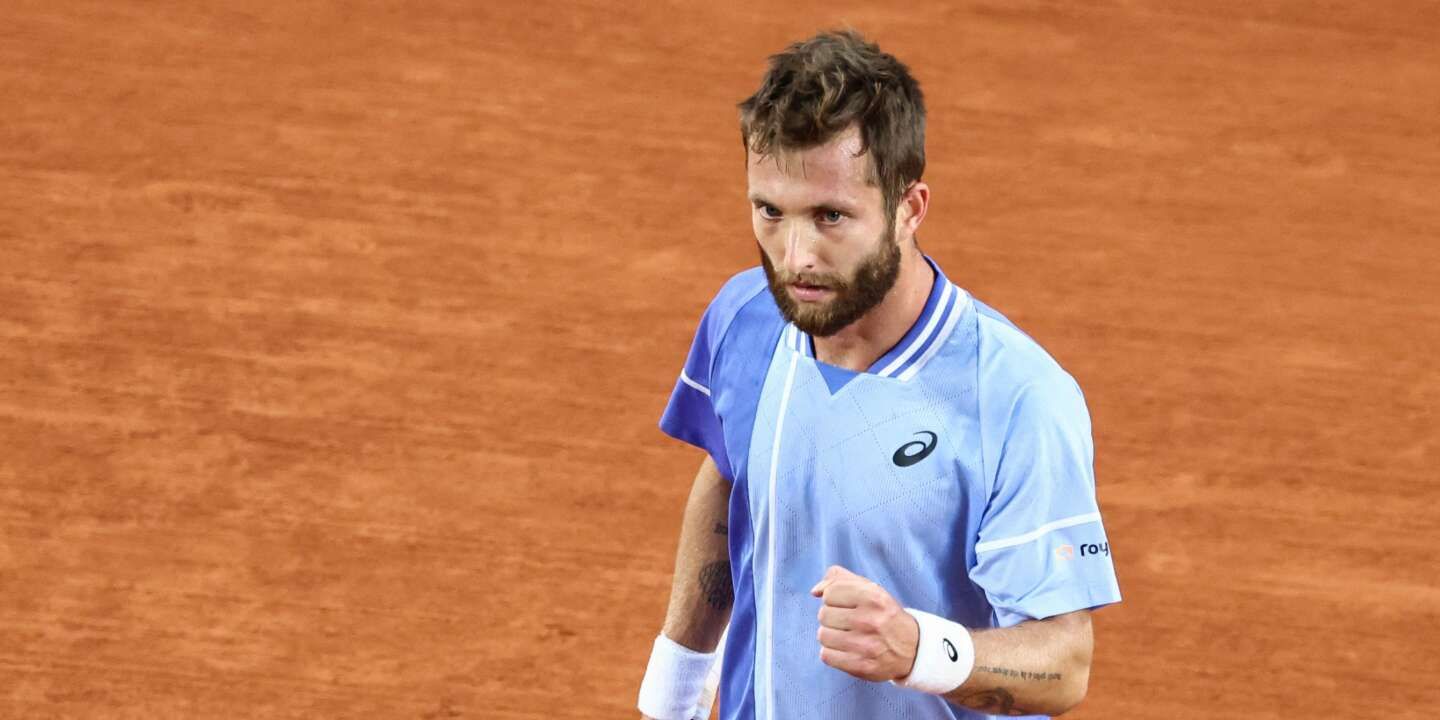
(860, 344)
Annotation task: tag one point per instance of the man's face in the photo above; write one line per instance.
(826, 242)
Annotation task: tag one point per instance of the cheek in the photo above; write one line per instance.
(852, 249)
(769, 237)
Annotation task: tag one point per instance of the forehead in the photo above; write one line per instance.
(835, 171)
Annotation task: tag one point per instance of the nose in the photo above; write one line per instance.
(799, 247)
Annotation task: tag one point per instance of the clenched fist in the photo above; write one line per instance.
(864, 631)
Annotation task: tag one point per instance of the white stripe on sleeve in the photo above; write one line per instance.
(1037, 533)
(686, 379)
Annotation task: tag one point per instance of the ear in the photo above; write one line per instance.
(910, 211)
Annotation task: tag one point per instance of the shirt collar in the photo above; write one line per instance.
(937, 319)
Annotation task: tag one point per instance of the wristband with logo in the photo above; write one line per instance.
(944, 657)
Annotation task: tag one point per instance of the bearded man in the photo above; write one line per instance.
(896, 513)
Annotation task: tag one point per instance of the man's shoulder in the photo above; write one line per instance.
(740, 290)
(742, 300)
(1012, 362)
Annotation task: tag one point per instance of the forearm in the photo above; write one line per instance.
(701, 593)
(1036, 667)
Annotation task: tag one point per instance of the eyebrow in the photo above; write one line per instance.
(756, 199)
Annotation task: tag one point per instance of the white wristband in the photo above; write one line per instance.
(674, 680)
(712, 681)
(944, 656)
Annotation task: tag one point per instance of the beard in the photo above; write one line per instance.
(853, 297)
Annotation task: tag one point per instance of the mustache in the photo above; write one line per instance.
(825, 280)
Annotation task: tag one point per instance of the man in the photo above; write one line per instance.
(896, 514)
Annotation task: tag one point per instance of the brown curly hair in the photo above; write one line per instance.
(817, 88)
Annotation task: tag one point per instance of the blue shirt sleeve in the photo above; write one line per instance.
(1042, 549)
(690, 416)
(695, 412)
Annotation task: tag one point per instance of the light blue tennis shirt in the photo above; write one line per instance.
(957, 472)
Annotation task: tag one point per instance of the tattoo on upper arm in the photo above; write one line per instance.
(715, 583)
(721, 529)
(1020, 674)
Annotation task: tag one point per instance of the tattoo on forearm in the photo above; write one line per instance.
(998, 700)
(715, 583)
(1021, 674)
(721, 529)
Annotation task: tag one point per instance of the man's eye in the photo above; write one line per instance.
(832, 216)
(769, 212)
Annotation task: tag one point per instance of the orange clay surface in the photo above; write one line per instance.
(332, 340)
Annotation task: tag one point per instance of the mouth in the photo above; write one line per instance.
(805, 292)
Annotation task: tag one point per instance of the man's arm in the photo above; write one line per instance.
(1036, 667)
(701, 593)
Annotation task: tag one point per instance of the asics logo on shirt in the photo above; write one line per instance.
(915, 450)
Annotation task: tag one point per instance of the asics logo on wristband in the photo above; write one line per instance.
(950, 650)
(908, 454)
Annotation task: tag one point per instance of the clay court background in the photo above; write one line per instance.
(333, 338)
